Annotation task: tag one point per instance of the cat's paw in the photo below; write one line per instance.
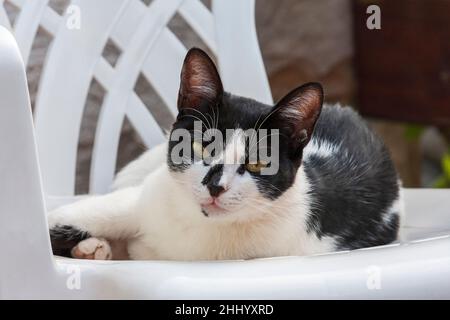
(92, 248)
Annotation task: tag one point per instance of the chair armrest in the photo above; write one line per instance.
(26, 263)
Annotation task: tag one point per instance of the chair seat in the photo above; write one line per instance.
(412, 268)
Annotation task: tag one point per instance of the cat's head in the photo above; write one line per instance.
(234, 154)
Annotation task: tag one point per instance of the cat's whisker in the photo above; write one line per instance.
(196, 131)
(196, 118)
(268, 205)
(259, 208)
(288, 205)
(180, 181)
(265, 137)
(267, 117)
(214, 116)
(202, 114)
(217, 117)
(212, 121)
(254, 132)
(269, 184)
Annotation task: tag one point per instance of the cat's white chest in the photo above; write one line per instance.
(207, 242)
(174, 228)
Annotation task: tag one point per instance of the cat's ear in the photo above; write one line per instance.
(200, 82)
(296, 114)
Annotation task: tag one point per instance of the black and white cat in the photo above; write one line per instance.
(335, 188)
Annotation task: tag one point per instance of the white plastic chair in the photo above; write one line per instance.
(37, 164)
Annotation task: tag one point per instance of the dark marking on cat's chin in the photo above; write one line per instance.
(63, 238)
(205, 213)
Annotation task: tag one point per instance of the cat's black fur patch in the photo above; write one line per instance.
(352, 189)
(63, 238)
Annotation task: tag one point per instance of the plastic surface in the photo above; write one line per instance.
(24, 240)
(417, 268)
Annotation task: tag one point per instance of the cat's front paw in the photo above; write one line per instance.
(92, 248)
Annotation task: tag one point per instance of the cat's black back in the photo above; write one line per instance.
(354, 188)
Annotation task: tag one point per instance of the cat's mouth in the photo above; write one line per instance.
(213, 208)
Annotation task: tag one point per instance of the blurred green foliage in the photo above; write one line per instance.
(444, 180)
(413, 133)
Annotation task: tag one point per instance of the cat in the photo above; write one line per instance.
(335, 187)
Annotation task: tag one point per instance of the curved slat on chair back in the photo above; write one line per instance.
(242, 68)
(148, 47)
(127, 72)
(64, 88)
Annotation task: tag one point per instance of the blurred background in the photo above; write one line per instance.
(398, 76)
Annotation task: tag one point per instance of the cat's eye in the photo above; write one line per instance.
(199, 151)
(256, 167)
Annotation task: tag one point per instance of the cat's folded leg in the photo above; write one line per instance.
(112, 216)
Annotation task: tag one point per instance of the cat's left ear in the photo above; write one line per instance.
(297, 113)
(200, 82)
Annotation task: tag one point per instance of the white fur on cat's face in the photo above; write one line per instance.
(241, 200)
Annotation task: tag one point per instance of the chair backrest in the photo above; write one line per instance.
(147, 47)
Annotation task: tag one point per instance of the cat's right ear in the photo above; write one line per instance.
(200, 82)
(297, 113)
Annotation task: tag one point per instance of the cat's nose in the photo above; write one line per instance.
(212, 181)
(215, 190)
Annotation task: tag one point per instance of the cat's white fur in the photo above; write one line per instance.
(159, 213)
